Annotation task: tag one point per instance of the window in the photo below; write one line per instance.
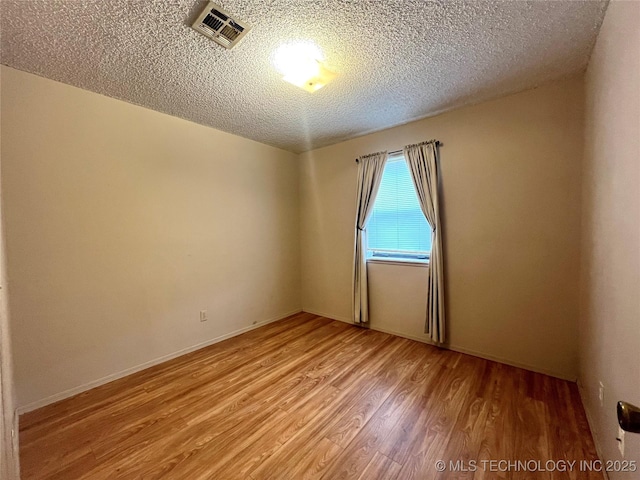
(397, 228)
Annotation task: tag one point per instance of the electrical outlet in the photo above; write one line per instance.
(601, 394)
(620, 439)
(203, 316)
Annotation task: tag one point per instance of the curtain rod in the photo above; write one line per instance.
(396, 152)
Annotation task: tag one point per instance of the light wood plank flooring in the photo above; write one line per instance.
(310, 398)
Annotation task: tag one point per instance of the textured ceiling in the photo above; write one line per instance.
(397, 60)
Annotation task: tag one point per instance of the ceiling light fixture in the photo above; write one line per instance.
(301, 64)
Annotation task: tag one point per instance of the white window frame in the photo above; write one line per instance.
(397, 257)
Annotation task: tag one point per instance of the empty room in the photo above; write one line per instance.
(289, 240)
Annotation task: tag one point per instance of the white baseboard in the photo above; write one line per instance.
(524, 366)
(456, 348)
(594, 432)
(114, 376)
(123, 373)
(329, 315)
(403, 335)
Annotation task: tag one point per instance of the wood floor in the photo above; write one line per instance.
(310, 398)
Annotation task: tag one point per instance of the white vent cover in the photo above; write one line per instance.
(219, 26)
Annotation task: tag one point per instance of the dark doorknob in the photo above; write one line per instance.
(629, 417)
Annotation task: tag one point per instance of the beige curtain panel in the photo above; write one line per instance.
(9, 465)
(370, 170)
(423, 165)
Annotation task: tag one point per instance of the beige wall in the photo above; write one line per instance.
(123, 223)
(511, 175)
(610, 280)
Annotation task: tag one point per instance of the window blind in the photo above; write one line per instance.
(397, 223)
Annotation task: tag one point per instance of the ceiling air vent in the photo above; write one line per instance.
(219, 26)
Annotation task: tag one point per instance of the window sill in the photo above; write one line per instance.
(408, 262)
